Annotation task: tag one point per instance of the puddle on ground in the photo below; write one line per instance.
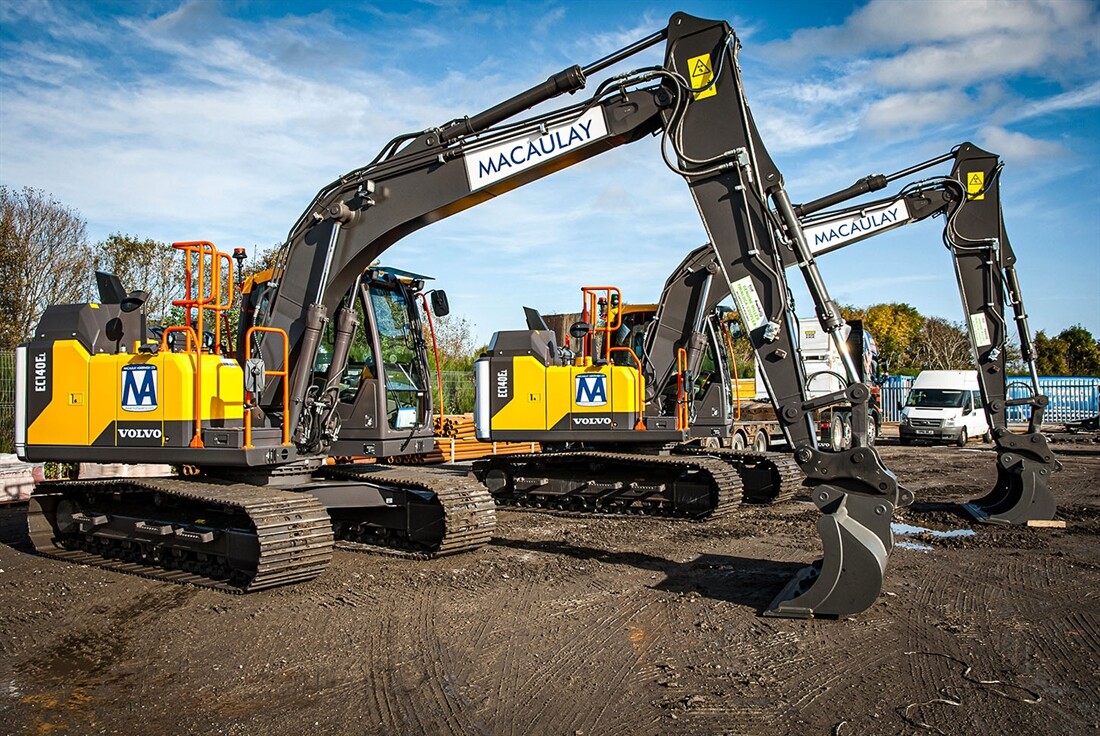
(898, 528)
(904, 529)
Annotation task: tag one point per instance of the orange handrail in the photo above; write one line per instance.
(640, 424)
(590, 296)
(682, 415)
(201, 296)
(205, 299)
(284, 374)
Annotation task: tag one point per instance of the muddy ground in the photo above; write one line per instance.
(586, 626)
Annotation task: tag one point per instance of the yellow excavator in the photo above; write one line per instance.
(257, 423)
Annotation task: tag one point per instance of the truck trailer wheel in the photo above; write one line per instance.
(738, 442)
(872, 429)
(760, 441)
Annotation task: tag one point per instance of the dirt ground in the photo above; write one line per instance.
(585, 626)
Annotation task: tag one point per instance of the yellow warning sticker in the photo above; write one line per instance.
(975, 185)
(702, 73)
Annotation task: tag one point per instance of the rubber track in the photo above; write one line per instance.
(782, 466)
(469, 514)
(293, 531)
(727, 480)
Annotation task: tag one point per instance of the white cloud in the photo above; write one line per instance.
(889, 25)
(1018, 147)
(912, 110)
(964, 62)
(1074, 99)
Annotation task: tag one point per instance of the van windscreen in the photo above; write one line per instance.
(936, 398)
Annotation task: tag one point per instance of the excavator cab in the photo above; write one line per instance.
(387, 360)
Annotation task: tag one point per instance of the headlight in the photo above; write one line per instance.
(949, 422)
(904, 421)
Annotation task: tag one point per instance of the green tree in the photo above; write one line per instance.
(457, 353)
(1074, 352)
(894, 326)
(44, 259)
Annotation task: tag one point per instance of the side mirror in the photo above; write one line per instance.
(900, 406)
(440, 306)
(968, 410)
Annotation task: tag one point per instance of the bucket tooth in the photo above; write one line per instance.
(856, 538)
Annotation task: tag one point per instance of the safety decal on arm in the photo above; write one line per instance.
(748, 304)
(975, 185)
(701, 72)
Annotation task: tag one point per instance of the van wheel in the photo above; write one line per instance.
(760, 441)
(738, 442)
(872, 429)
(987, 437)
(961, 442)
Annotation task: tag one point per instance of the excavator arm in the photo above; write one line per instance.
(985, 268)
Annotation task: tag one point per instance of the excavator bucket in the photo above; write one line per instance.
(1022, 492)
(855, 533)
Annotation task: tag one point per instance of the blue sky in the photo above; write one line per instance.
(221, 120)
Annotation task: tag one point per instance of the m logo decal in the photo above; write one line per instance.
(591, 389)
(139, 387)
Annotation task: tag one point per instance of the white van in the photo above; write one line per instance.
(944, 406)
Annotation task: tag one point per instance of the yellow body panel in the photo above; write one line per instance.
(528, 405)
(544, 397)
(90, 392)
(222, 387)
(65, 420)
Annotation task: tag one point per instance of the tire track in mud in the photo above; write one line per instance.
(443, 676)
(510, 668)
(624, 626)
(572, 688)
(954, 627)
(380, 669)
(808, 661)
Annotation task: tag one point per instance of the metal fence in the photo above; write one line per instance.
(458, 392)
(7, 401)
(1071, 397)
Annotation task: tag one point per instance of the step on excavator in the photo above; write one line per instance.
(258, 425)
